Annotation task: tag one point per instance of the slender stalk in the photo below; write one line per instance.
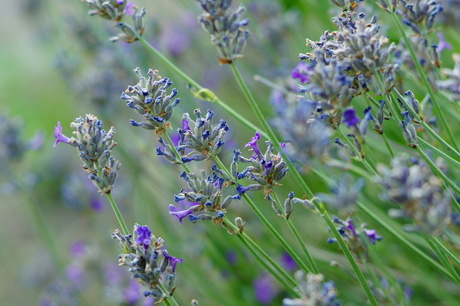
(425, 125)
(443, 258)
(169, 300)
(441, 175)
(310, 261)
(267, 267)
(446, 251)
(402, 240)
(269, 259)
(424, 79)
(118, 214)
(387, 144)
(446, 157)
(304, 186)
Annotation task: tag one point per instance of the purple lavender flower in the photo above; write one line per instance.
(173, 261)
(301, 72)
(350, 118)
(78, 249)
(179, 214)
(266, 289)
(288, 262)
(129, 9)
(255, 147)
(443, 43)
(59, 136)
(144, 236)
(372, 235)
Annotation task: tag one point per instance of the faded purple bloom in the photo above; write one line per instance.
(372, 235)
(265, 288)
(97, 204)
(232, 257)
(76, 274)
(78, 249)
(132, 293)
(301, 72)
(181, 214)
(59, 136)
(173, 261)
(144, 236)
(351, 227)
(350, 118)
(288, 262)
(129, 9)
(443, 44)
(176, 40)
(112, 274)
(253, 144)
(408, 293)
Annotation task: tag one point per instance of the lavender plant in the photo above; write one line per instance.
(360, 131)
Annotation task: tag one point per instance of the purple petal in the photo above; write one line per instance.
(59, 136)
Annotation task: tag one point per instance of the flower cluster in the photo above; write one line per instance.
(149, 98)
(12, 145)
(313, 291)
(116, 10)
(148, 261)
(302, 124)
(344, 62)
(225, 27)
(201, 136)
(411, 183)
(419, 13)
(266, 170)
(451, 83)
(206, 192)
(354, 237)
(343, 197)
(95, 148)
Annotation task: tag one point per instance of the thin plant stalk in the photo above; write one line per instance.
(118, 214)
(310, 261)
(266, 222)
(305, 188)
(424, 78)
(443, 258)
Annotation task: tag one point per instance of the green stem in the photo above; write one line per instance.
(202, 92)
(401, 239)
(387, 144)
(267, 267)
(310, 261)
(425, 125)
(118, 214)
(304, 186)
(441, 175)
(446, 157)
(169, 300)
(269, 259)
(446, 251)
(424, 79)
(443, 258)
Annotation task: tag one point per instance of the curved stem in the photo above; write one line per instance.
(424, 79)
(310, 261)
(118, 214)
(304, 186)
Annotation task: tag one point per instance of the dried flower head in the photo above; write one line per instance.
(265, 169)
(149, 98)
(201, 136)
(95, 147)
(206, 191)
(354, 237)
(313, 291)
(148, 261)
(225, 27)
(411, 183)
